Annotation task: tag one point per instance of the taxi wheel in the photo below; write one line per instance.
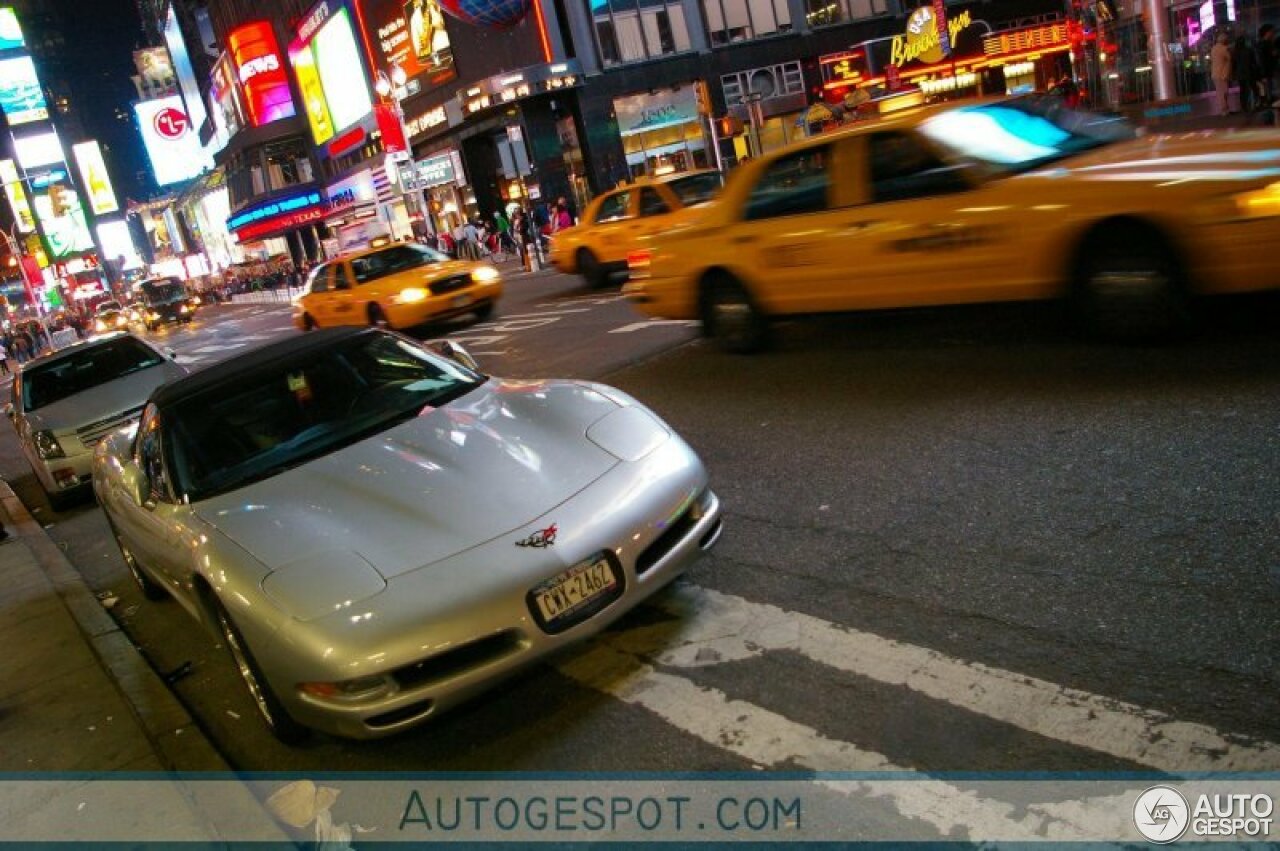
(273, 714)
(1129, 286)
(484, 311)
(731, 318)
(308, 322)
(377, 318)
(590, 269)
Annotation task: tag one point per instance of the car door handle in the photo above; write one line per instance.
(863, 224)
(745, 239)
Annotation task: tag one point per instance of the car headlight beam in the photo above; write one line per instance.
(410, 295)
(485, 275)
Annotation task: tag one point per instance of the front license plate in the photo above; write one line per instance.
(575, 594)
(462, 300)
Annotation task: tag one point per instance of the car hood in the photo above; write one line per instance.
(1237, 156)
(104, 401)
(444, 482)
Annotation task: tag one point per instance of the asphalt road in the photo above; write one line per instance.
(962, 539)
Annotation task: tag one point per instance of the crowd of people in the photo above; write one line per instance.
(1251, 64)
(520, 230)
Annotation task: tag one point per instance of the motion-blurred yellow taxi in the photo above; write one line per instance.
(977, 202)
(398, 286)
(616, 221)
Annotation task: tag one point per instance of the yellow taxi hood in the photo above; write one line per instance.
(1248, 156)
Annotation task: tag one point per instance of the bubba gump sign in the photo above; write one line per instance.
(922, 42)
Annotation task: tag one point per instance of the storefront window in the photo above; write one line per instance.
(729, 21)
(820, 13)
(632, 30)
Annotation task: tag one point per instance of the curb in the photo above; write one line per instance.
(178, 742)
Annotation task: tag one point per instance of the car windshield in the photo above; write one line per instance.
(1014, 136)
(163, 292)
(391, 260)
(247, 429)
(695, 188)
(84, 368)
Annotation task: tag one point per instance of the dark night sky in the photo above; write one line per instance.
(101, 37)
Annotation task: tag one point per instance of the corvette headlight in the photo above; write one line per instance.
(410, 295)
(485, 275)
(47, 446)
(357, 689)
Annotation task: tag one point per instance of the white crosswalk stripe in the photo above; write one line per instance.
(639, 666)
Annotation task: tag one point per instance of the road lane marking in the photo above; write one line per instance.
(594, 300)
(540, 314)
(711, 627)
(655, 323)
(771, 740)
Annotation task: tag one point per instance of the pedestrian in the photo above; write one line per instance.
(1220, 72)
(4, 358)
(1267, 62)
(563, 220)
(472, 236)
(1246, 71)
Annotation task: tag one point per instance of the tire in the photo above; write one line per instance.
(1129, 286)
(309, 322)
(273, 714)
(591, 270)
(377, 317)
(484, 311)
(60, 501)
(730, 316)
(151, 589)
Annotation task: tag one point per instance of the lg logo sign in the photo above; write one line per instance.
(171, 123)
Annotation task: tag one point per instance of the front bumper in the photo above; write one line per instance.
(59, 475)
(487, 625)
(437, 307)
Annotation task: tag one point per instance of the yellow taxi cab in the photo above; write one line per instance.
(398, 286)
(984, 201)
(616, 221)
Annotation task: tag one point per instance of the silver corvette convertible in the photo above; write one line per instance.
(377, 532)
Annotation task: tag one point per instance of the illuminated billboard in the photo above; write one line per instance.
(10, 30)
(17, 196)
(21, 96)
(94, 178)
(330, 71)
(224, 96)
(261, 73)
(65, 230)
(182, 69)
(411, 35)
(170, 140)
(38, 150)
(117, 244)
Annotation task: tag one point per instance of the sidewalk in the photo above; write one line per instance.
(77, 696)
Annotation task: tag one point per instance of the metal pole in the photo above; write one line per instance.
(1158, 49)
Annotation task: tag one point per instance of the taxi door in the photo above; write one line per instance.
(782, 244)
(922, 234)
(345, 305)
(316, 301)
(610, 236)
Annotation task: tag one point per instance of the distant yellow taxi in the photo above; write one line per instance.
(615, 223)
(980, 202)
(397, 286)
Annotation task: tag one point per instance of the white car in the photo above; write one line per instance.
(65, 402)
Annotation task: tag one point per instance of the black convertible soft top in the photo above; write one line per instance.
(244, 366)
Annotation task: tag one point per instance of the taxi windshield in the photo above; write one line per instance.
(1014, 136)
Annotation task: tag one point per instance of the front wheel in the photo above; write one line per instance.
(308, 322)
(149, 587)
(591, 270)
(378, 317)
(1129, 286)
(484, 311)
(273, 714)
(731, 318)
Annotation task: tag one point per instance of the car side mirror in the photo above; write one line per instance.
(171, 354)
(137, 485)
(456, 353)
